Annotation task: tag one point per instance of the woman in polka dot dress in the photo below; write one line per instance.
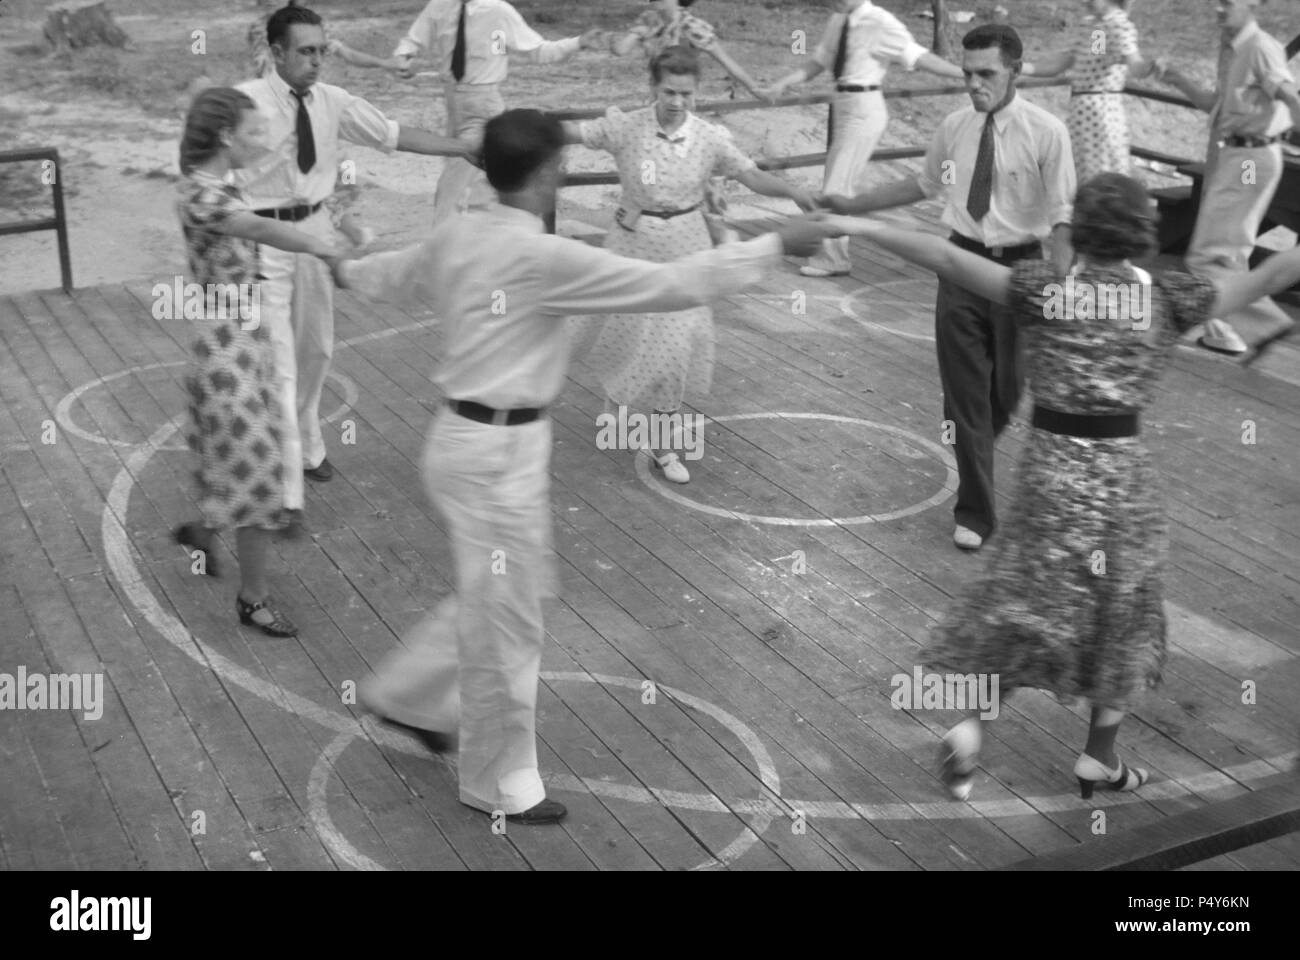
(235, 422)
(665, 157)
(1103, 58)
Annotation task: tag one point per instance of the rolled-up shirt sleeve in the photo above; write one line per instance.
(530, 45)
(1059, 183)
(895, 42)
(579, 279)
(362, 123)
(397, 276)
(421, 35)
(1271, 69)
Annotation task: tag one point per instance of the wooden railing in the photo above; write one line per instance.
(58, 222)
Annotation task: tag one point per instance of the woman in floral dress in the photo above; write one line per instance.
(665, 156)
(235, 424)
(1071, 601)
(1104, 56)
(669, 25)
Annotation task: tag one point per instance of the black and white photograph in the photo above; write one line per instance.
(651, 435)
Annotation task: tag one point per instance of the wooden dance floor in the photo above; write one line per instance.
(717, 676)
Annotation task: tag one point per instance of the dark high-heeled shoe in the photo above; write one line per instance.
(279, 625)
(1091, 773)
(193, 537)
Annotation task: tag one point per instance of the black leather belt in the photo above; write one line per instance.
(501, 418)
(1087, 426)
(1021, 251)
(669, 214)
(1095, 93)
(854, 88)
(1236, 141)
(292, 214)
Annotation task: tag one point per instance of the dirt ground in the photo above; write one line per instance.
(115, 116)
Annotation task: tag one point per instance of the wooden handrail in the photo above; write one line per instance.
(58, 223)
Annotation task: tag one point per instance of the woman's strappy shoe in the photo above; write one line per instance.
(957, 758)
(278, 626)
(193, 537)
(673, 468)
(1093, 773)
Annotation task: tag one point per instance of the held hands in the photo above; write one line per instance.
(773, 92)
(806, 199)
(594, 39)
(803, 236)
(835, 203)
(403, 67)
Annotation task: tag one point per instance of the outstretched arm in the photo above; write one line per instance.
(1051, 65)
(897, 194)
(978, 275)
(416, 140)
(249, 226)
(359, 59)
(762, 182)
(736, 70)
(1203, 99)
(932, 63)
(1279, 272)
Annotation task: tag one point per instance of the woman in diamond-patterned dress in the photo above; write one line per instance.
(234, 419)
(1071, 600)
(1104, 57)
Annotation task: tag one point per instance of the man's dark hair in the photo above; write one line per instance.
(516, 144)
(997, 35)
(278, 23)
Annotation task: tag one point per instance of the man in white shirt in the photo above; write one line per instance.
(860, 42)
(471, 41)
(504, 288)
(305, 122)
(1006, 170)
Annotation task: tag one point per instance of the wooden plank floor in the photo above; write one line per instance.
(717, 680)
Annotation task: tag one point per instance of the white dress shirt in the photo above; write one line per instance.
(1033, 173)
(275, 180)
(503, 288)
(876, 39)
(493, 29)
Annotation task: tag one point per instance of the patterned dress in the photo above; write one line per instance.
(656, 33)
(234, 419)
(1071, 601)
(651, 360)
(1098, 124)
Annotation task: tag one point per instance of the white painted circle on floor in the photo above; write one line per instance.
(938, 450)
(848, 306)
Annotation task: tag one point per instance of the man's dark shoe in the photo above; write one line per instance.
(548, 811)
(435, 741)
(322, 473)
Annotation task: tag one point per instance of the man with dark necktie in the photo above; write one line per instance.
(305, 122)
(472, 40)
(860, 42)
(1005, 168)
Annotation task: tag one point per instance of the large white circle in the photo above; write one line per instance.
(949, 484)
(848, 308)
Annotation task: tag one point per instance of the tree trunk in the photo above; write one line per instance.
(83, 26)
(942, 45)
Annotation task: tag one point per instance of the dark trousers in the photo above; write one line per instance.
(982, 371)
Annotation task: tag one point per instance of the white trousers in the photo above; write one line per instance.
(462, 185)
(297, 307)
(858, 122)
(472, 664)
(1238, 187)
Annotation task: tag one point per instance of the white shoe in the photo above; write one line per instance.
(958, 755)
(673, 468)
(811, 271)
(1221, 338)
(966, 538)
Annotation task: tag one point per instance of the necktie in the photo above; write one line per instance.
(981, 184)
(458, 53)
(306, 143)
(842, 54)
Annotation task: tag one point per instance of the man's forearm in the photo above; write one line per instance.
(1203, 99)
(416, 140)
(900, 193)
(1062, 247)
(935, 64)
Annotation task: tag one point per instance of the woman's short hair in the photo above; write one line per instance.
(213, 110)
(677, 61)
(516, 144)
(1114, 219)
